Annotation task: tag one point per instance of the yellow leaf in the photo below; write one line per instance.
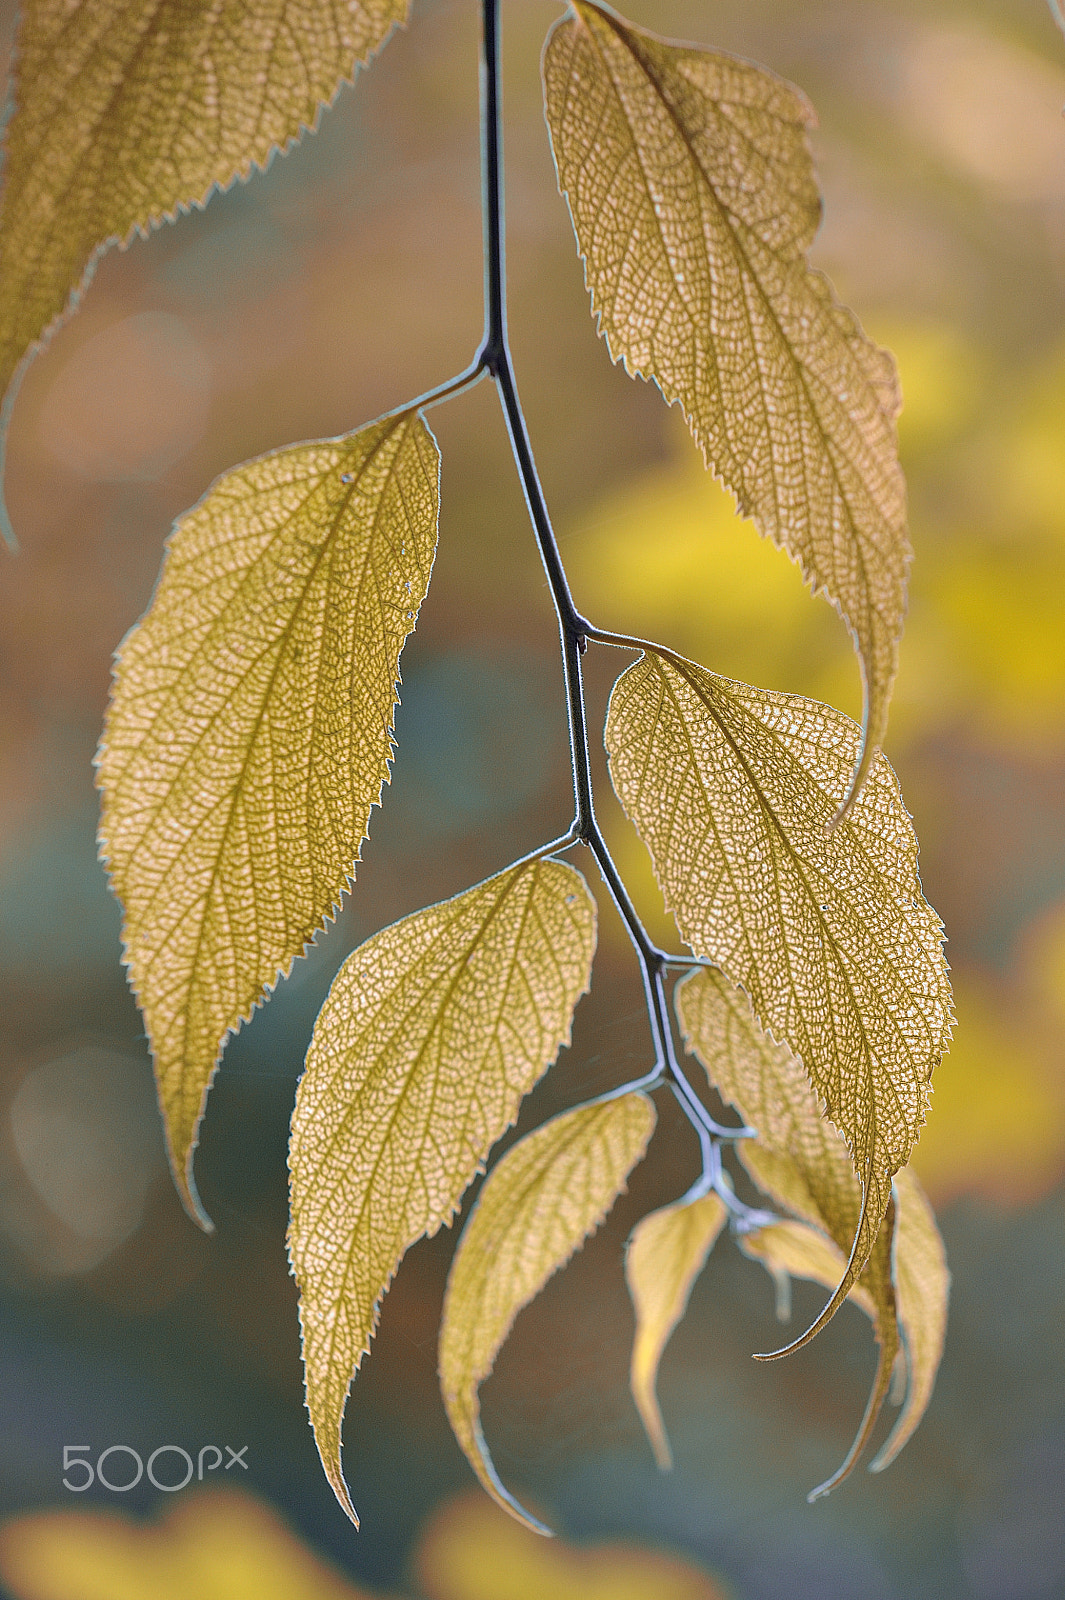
(127, 111)
(692, 192)
(549, 1192)
(433, 1031)
(732, 790)
(250, 731)
(800, 1160)
(665, 1254)
(922, 1288)
(790, 1249)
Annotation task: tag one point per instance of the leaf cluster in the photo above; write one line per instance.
(250, 732)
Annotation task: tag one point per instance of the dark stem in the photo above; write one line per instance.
(495, 357)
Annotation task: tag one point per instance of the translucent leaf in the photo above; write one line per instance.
(250, 731)
(692, 193)
(665, 1254)
(732, 789)
(549, 1192)
(432, 1032)
(790, 1249)
(800, 1160)
(922, 1288)
(127, 111)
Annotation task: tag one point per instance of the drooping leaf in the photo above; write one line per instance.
(250, 731)
(432, 1032)
(922, 1288)
(692, 193)
(549, 1192)
(788, 1249)
(800, 1160)
(732, 789)
(798, 1157)
(666, 1253)
(127, 111)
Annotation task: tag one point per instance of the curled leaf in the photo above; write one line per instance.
(800, 1160)
(127, 111)
(922, 1287)
(537, 1206)
(692, 192)
(431, 1034)
(250, 731)
(731, 789)
(665, 1254)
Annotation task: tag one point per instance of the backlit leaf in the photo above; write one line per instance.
(732, 790)
(922, 1289)
(692, 193)
(432, 1033)
(800, 1160)
(665, 1254)
(790, 1249)
(549, 1192)
(250, 731)
(127, 111)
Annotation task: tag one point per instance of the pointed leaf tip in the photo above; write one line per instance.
(538, 1205)
(431, 1034)
(693, 196)
(896, 1271)
(250, 732)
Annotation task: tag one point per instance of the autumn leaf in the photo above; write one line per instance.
(732, 789)
(250, 731)
(692, 192)
(666, 1252)
(922, 1289)
(127, 111)
(538, 1205)
(432, 1033)
(800, 1161)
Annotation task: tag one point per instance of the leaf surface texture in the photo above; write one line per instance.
(538, 1205)
(432, 1033)
(127, 111)
(250, 731)
(732, 789)
(693, 197)
(666, 1253)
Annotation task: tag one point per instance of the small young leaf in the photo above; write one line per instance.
(433, 1031)
(731, 789)
(922, 1288)
(127, 111)
(250, 731)
(802, 1163)
(549, 1192)
(692, 193)
(665, 1254)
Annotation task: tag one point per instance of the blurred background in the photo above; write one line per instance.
(341, 283)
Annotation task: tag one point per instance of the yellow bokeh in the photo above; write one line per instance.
(216, 1544)
(997, 1121)
(211, 1545)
